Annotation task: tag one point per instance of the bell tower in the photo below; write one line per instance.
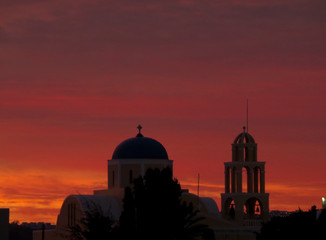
(245, 200)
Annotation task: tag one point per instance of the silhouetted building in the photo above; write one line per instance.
(277, 213)
(131, 159)
(37, 225)
(4, 223)
(247, 204)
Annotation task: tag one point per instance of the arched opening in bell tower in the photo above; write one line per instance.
(257, 179)
(245, 174)
(228, 179)
(234, 180)
(246, 154)
(229, 209)
(252, 209)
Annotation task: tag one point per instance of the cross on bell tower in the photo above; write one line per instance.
(245, 200)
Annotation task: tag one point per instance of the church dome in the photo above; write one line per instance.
(244, 137)
(140, 147)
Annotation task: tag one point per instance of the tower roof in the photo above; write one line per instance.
(244, 137)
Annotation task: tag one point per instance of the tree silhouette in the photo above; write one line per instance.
(154, 210)
(95, 225)
(299, 225)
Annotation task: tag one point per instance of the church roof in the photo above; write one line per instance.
(140, 147)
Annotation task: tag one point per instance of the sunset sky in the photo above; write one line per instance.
(77, 77)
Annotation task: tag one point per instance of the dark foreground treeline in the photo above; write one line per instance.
(299, 225)
(19, 232)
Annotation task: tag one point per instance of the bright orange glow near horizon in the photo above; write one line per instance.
(77, 77)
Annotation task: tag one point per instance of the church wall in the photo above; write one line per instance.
(129, 172)
(70, 215)
(112, 176)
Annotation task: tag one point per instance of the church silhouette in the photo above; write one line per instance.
(244, 208)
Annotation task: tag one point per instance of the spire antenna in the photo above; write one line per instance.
(198, 186)
(198, 192)
(247, 115)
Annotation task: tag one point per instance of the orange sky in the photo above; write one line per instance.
(77, 77)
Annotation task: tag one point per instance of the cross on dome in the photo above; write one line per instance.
(139, 129)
